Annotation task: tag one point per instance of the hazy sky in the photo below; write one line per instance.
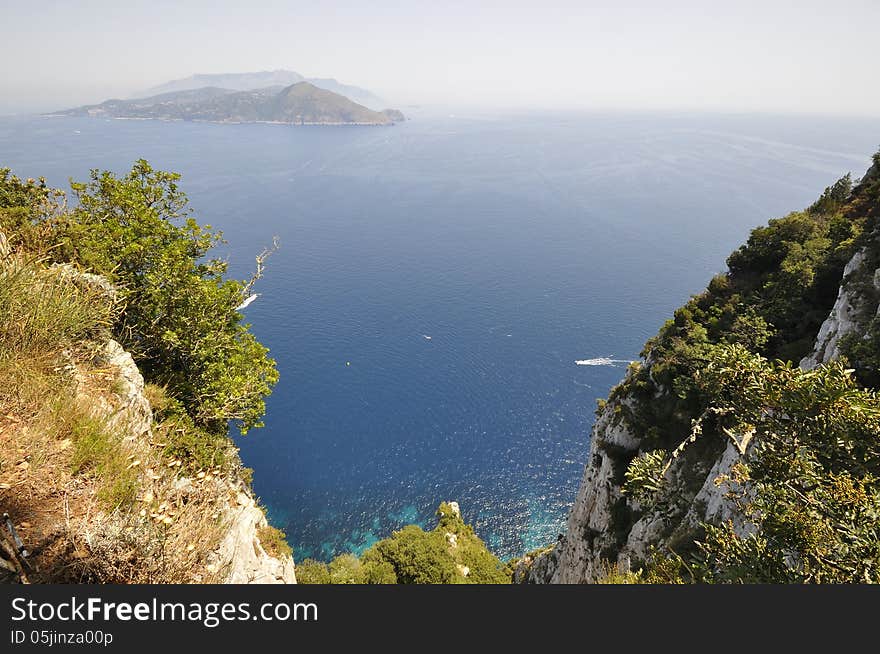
(736, 55)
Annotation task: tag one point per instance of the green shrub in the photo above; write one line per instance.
(179, 319)
(814, 475)
(197, 448)
(346, 569)
(418, 557)
(309, 571)
(414, 556)
(274, 541)
(43, 311)
(811, 484)
(98, 450)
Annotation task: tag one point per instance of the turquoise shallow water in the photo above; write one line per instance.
(518, 244)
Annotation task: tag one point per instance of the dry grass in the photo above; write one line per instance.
(618, 575)
(43, 310)
(170, 540)
(99, 507)
(92, 502)
(274, 541)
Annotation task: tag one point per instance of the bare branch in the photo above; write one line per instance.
(261, 263)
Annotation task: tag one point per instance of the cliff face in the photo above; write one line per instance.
(241, 553)
(854, 311)
(593, 540)
(240, 557)
(605, 529)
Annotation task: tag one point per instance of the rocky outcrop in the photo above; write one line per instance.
(578, 555)
(845, 318)
(131, 412)
(241, 555)
(538, 568)
(240, 558)
(604, 529)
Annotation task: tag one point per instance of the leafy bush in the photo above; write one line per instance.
(810, 487)
(346, 569)
(644, 476)
(813, 478)
(26, 207)
(449, 554)
(180, 317)
(196, 447)
(274, 541)
(417, 557)
(309, 571)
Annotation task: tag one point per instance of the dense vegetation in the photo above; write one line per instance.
(449, 554)
(160, 294)
(809, 491)
(724, 369)
(177, 309)
(779, 288)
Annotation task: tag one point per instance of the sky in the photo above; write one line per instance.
(769, 56)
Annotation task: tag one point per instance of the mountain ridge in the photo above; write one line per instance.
(262, 79)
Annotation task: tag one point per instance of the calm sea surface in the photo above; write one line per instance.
(437, 281)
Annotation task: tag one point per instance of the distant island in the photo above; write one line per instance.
(300, 103)
(265, 79)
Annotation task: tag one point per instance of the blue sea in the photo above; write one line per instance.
(437, 281)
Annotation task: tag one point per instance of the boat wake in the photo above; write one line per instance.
(247, 301)
(601, 361)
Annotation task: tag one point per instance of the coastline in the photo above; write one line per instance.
(390, 123)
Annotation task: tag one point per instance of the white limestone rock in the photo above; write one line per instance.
(241, 555)
(842, 320)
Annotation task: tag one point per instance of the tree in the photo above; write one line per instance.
(417, 557)
(810, 485)
(309, 571)
(834, 196)
(179, 318)
(346, 569)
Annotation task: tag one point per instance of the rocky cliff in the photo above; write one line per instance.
(92, 434)
(240, 557)
(606, 529)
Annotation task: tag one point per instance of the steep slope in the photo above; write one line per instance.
(86, 476)
(353, 93)
(804, 289)
(107, 478)
(304, 103)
